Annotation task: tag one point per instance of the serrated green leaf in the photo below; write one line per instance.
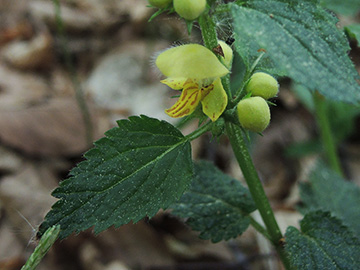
(347, 7)
(329, 192)
(302, 39)
(323, 243)
(217, 205)
(353, 30)
(139, 167)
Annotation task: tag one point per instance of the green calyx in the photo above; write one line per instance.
(263, 85)
(254, 114)
(189, 9)
(160, 3)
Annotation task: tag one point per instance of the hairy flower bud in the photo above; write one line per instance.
(189, 9)
(254, 114)
(160, 3)
(263, 85)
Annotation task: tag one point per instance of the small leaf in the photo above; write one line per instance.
(329, 192)
(353, 30)
(217, 205)
(300, 38)
(139, 167)
(348, 7)
(323, 243)
(45, 243)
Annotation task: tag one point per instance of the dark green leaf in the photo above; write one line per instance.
(345, 7)
(217, 205)
(139, 167)
(303, 148)
(353, 31)
(342, 118)
(300, 38)
(323, 243)
(329, 192)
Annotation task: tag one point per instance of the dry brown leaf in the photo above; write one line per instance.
(73, 19)
(9, 161)
(21, 30)
(33, 54)
(14, 263)
(55, 128)
(19, 90)
(137, 245)
(10, 245)
(26, 195)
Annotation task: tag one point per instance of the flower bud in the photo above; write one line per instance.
(160, 3)
(189, 9)
(254, 114)
(263, 85)
(228, 54)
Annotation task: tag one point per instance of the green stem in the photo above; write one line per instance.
(200, 131)
(79, 94)
(259, 228)
(45, 243)
(184, 121)
(234, 132)
(208, 32)
(256, 189)
(327, 138)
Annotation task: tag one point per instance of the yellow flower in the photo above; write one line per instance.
(197, 71)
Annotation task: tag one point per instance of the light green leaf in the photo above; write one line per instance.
(139, 167)
(323, 243)
(300, 38)
(329, 192)
(353, 30)
(45, 243)
(345, 7)
(342, 116)
(217, 205)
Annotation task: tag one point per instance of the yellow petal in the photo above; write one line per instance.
(188, 101)
(175, 83)
(214, 103)
(190, 61)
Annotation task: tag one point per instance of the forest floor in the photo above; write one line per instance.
(111, 48)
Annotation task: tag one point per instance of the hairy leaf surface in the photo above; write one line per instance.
(323, 243)
(329, 192)
(300, 38)
(217, 205)
(139, 167)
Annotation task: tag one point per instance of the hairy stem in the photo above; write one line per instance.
(200, 131)
(243, 157)
(208, 32)
(235, 135)
(326, 135)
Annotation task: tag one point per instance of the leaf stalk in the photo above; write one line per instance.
(326, 134)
